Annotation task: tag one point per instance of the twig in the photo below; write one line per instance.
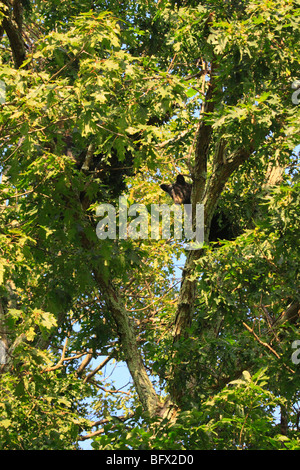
(99, 367)
(156, 300)
(172, 62)
(122, 419)
(61, 361)
(266, 345)
(173, 139)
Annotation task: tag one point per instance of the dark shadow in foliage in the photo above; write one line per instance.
(222, 228)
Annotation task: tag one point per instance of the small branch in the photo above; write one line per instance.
(88, 158)
(173, 139)
(91, 434)
(269, 321)
(99, 367)
(156, 300)
(64, 359)
(85, 362)
(61, 361)
(112, 392)
(172, 62)
(122, 419)
(266, 345)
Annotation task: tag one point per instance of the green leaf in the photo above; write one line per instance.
(30, 334)
(5, 423)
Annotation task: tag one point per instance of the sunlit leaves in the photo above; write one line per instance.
(129, 85)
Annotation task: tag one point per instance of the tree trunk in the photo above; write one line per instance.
(12, 25)
(125, 328)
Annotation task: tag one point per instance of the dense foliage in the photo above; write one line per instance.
(104, 99)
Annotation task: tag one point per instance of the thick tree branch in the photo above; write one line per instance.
(291, 314)
(12, 25)
(187, 296)
(207, 192)
(149, 399)
(222, 170)
(85, 362)
(203, 140)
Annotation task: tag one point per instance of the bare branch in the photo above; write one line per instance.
(173, 139)
(99, 367)
(85, 362)
(122, 419)
(266, 345)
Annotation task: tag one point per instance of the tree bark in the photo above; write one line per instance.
(12, 25)
(203, 139)
(125, 328)
(206, 191)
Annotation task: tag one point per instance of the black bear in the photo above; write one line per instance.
(180, 191)
(221, 226)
